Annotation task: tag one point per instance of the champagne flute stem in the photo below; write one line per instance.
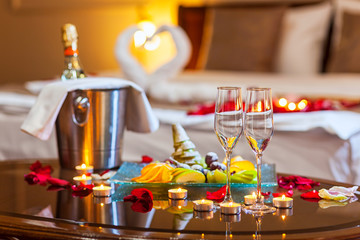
(258, 227)
(228, 230)
(258, 169)
(228, 197)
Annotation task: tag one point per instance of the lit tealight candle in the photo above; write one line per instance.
(284, 212)
(203, 215)
(102, 200)
(230, 218)
(178, 202)
(251, 199)
(102, 191)
(82, 179)
(230, 208)
(177, 193)
(203, 205)
(83, 168)
(283, 202)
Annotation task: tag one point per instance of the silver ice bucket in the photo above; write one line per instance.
(90, 127)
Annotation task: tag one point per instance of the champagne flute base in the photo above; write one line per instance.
(258, 209)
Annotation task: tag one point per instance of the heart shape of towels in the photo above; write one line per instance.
(135, 72)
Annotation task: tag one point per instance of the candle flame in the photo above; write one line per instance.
(202, 235)
(230, 204)
(202, 200)
(253, 194)
(283, 197)
(83, 166)
(302, 104)
(292, 106)
(83, 176)
(101, 186)
(283, 235)
(283, 102)
(102, 204)
(258, 107)
(179, 189)
(179, 207)
(283, 217)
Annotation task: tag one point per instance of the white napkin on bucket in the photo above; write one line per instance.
(42, 116)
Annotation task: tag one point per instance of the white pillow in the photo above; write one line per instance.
(305, 30)
(352, 6)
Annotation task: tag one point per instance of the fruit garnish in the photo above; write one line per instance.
(184, 148)
(239, 164)
(155, 172)
(244, 176)
(183, 175)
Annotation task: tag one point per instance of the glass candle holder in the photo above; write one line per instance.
(203, 205)
(177, 193)
(230, 208)
(102, 191)
(283, 202)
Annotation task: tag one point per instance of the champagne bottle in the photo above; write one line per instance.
(72, 66)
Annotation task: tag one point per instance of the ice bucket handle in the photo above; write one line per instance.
(81, 108)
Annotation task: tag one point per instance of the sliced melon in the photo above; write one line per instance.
(189, 176)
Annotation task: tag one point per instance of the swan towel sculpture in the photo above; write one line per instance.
(135, 72)
(157, 84)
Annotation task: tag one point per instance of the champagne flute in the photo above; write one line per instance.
(228, 125)
(258, 130)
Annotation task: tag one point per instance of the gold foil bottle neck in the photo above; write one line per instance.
(69, 34)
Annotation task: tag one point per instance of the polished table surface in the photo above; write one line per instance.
(32, 212)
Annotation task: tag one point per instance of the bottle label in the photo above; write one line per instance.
(69, 51)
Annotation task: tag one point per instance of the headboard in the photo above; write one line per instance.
(197, 21)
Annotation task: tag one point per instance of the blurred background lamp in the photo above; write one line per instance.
(145, 37)
(282, 102)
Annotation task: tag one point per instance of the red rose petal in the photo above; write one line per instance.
(287, 194)
(58, 182)
(130, 198)
(82, 186)
(142, 193)
(304, 187)
(104, 172)
(31, 178)
(39, 169)
(35, 166)
(54, 188)
(218, 195)
(203, 109)
(47, 170)
(82, 190)
(34, 178)
(142, 205)
(302, 180)
(311, 195)
(81, 193)
(142, 200)
(300, 183)
(265, 194)
(146, 159)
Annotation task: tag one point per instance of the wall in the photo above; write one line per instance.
(30, 38)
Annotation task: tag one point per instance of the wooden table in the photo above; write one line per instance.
(31, 212)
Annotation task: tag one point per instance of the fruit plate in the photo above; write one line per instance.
(129, 170)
